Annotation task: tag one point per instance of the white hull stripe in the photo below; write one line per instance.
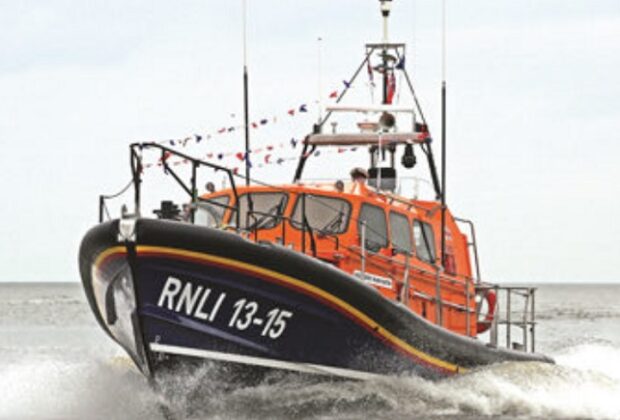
(264, 362)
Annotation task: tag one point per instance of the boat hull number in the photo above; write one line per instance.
(209, 305)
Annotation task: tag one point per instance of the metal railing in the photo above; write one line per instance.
(509, 317)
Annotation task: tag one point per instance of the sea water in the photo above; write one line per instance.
(55, 362)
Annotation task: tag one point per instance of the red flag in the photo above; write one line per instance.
(391, 88)
(334, 94)
(291, 112)
(254, 125)
(267, 156)
(221, 130)
(239, 156)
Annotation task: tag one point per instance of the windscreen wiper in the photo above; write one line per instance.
(274, 211)
(333, 225)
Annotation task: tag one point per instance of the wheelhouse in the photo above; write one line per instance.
(379, 238)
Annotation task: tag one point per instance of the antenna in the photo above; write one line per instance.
(443, 135)
(245, 96)
(320, 79)
(386, 7)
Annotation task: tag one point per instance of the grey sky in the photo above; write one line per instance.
(533, 112)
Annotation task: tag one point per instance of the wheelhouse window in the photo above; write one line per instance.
(400, 233)
(267, 209)
(210, 211)
(326, 215)
(424, 239)
(376, 227)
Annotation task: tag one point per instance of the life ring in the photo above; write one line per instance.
(484, 324)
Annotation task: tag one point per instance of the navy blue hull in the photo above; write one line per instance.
(313, 332)
(180, 292)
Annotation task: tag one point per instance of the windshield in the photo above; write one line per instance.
(424, 241)
(267, 207)
(375, 226)
(210, 211)
(325, 214)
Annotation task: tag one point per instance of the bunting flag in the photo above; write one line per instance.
(303, 108)
(334, 94)
(346, 84)
(371, 76)
(401, 63)
(291, 112)
(391, 88)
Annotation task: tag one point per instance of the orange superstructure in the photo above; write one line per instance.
(401, 240)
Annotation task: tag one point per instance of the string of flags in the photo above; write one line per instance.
(300, 109)
(197, 138)
(268, 157)
(267, 151)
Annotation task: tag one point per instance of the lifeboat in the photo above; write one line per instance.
(348, 279)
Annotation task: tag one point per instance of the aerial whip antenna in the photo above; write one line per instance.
(443, 134)
(245, 96)
(320, 80)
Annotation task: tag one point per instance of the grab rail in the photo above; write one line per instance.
(508, 319)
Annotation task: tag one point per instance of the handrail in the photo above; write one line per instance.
(102, 199)
(136, 165)
(473, 244)
(527, 323)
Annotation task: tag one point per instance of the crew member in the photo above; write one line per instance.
(359, 175)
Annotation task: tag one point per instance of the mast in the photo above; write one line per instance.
(245, 97)
(386, 6)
